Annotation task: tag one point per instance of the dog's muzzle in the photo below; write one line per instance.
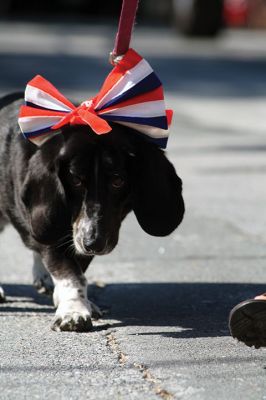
(87, 238)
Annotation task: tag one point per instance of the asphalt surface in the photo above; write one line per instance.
(167, 300)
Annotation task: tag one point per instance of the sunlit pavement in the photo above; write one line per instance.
(165, 334)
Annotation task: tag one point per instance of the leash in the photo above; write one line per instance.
(125, 27)
(131, 95)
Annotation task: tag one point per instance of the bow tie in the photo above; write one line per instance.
(131, 95)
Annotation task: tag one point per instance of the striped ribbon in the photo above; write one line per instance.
(131, 95)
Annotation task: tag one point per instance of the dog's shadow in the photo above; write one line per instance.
(182, 310)
(22, 298)
(187, 309)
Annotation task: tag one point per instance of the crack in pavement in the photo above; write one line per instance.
(113, 345)
(154, 383)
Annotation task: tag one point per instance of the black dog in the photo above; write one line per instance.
(67, 200)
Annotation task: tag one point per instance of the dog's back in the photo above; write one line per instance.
(15, 152)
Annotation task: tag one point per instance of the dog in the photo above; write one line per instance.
(68, 198)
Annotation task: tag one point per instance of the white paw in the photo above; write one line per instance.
(44, 285)
(73, 316)
(2, 295)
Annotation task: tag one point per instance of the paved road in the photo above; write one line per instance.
(165, 333)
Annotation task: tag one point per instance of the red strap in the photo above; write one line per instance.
(126, 23)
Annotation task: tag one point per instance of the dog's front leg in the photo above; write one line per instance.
(73, 309)
(70, 294)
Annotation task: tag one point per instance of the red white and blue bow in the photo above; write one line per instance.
(131, 95)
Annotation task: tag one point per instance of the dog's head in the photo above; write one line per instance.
(80, 186)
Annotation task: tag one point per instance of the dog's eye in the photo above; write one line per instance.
(75, 180)
(117, 182)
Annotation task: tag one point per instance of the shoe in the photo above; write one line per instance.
(247, 322)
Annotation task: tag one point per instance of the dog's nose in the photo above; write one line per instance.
(95, 245)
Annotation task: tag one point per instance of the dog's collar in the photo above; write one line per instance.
(131, 95)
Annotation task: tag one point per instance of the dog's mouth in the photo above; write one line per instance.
(90, 252)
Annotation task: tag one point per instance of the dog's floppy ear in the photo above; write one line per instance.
(156, 191)
(44, 198)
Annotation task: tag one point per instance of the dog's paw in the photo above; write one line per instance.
(72, 317)
(96, 312)
(44, 285)
(72, 323)
(42, 280)
(2, 295)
